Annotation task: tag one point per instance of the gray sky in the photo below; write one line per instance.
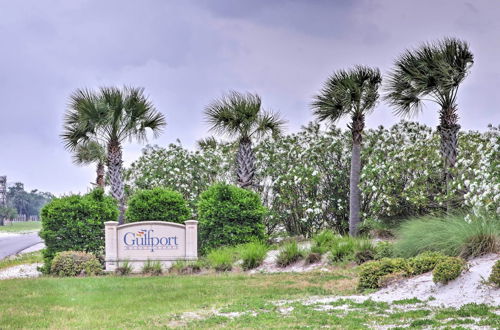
(186, 53)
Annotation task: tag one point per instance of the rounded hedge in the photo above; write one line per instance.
(75, 263)
(76, 223)
(448, 270)
(229, 215)
(157, 204)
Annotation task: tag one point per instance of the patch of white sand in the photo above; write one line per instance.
(21, 271)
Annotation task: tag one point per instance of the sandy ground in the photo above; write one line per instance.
(21, 271)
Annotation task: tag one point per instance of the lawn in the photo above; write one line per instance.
(214, 300)
(17, 227)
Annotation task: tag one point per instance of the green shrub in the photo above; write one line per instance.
(75, 263)
(495, 274)
(186, 267)
(349, 248)
(229, 215)
(371, 273)
(425, 262)
(222, 259)
(384, 250)
(152, 268)
(323, 241)
(452, 235)
(76, 223)
(448, 270)
(158, 204)
(288, 254)
(253, 254)
(124, 269)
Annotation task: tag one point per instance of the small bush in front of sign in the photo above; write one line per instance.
(75, 263)
(158, 204)
(76, 223)
(228, 216)
(124, 269)
(152, 268)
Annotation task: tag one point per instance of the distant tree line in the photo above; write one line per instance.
(21, 202)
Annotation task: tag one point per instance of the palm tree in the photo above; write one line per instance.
(433, 71)
(240, 116)
(92, 152)
(351, 93)
(110, 116)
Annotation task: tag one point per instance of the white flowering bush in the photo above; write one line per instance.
(303, 178)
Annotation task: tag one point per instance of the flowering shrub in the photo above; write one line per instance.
(303, 178)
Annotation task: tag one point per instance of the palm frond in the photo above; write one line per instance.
(89, 153)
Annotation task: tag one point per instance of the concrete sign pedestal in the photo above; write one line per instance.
(138, 242)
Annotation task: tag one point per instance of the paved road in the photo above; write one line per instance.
(10, 245)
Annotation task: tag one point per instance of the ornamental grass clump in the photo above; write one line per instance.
(448, 270)
(289, 253)
(184, 267)
(75, 263)
(452, 235)
(253, 254)
(349, 248)
(153, 268)
(323, 241)
(222, 259)
(125, 268)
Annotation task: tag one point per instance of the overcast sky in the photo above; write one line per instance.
(186, 53)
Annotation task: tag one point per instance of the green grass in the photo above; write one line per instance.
(451, 235)
(21, 259)
(253, 254)
(225, 300)
(17, 227)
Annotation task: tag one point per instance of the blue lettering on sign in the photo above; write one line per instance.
(145, 240)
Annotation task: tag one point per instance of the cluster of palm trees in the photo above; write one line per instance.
(98, 122)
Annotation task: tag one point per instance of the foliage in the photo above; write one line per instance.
(26, 203)
(495, 274)
(21, 259)
(303, 177)
(76, 223)
(424, 262)
(125, 268)
(289, 253)
(323, 241)
(158, 204)
(347, 248)
(109, 117)
(371, 272)
(186, 267)
(451, 235)
(75, 263)
(151, 267)
(253, 254)
(222, 259)
(384, 250)
(312, 257)
(448, 269)
(229, 215)
(7, 212)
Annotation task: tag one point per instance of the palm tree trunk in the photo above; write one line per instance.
(245, 164)
(115, 176)
(100, 175)
(357, 126)
(448, 130)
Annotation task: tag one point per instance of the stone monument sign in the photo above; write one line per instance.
(138, 242)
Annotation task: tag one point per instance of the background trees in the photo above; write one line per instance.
(350, 93)
(434, 71)
(110, 116)
(26, 203)
(241, 116)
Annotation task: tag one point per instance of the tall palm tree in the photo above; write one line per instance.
(91, 152)
(241, 116)
(352, 93)
(434, 71)
(110, 116)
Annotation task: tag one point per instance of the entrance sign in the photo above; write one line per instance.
(139, 242)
